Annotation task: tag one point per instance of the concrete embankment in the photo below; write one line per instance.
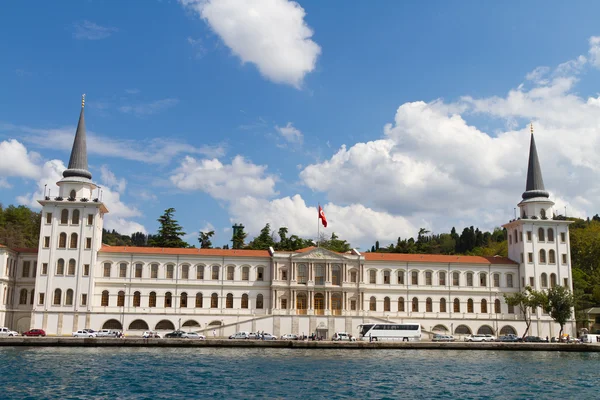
(294, 344)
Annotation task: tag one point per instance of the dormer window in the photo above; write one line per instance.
(543, 213)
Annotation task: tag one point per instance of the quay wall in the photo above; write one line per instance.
(291, 344)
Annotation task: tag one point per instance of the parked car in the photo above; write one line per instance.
(268, 336)
(8, 332)
(442, 338)
(240, 335)
(534, 339)
(107, 333)
(150, 335)
(508, 338)
(194, 335)
(480, 338)
(289, 336)
(34, 332)
(84, 333)
(254, 335)
(177, 335)
(343, 336)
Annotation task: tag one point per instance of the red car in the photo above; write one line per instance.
(35, 332)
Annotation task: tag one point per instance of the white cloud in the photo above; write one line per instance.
(16, 161)
(197, 46)
(290, 133)
(271, 34)
(108, 178)
(144, 109)
(123, 226)
(91, 31)
(51, 172)
(4, 183)
(224, 181)
(595, 51)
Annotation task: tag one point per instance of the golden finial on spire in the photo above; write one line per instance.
(83, 100)
(531, 127)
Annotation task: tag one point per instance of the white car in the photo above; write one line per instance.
(289, 336)
(240, 335)
(84, 333)
(7, 332)
(343, 337)
(150, 335)
(268, 336)
(194, 335)
(480, 338)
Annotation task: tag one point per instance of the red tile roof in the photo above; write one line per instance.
(184, 252)
(436, 258)
(306, 249)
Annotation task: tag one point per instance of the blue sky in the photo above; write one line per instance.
(236, 111)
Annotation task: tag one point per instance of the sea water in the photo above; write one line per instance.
(242, 373)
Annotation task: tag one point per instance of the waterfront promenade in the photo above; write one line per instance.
(295, 344)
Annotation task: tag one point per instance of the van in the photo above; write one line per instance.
(8, 332)
(343, 336)
(107, 333)
(240, 335)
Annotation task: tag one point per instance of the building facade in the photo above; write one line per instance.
(73, 281)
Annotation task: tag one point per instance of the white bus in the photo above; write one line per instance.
(589, 338)
(387, 331)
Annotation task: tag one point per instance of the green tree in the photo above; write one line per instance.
(170, 232)
(204, 239)
(238, 238)
(559, 304)
(334, 243)
(528, 301)
(264, 240)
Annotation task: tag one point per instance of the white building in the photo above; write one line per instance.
(72, 281)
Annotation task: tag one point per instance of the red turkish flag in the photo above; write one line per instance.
(322, 217)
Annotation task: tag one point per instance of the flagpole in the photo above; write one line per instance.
(318, 224)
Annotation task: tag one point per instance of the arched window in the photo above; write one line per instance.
(301, 301)
(496, 280)
(259, 301)
(75, 217)
(414, 278)
(428, 279)
(301, 269)
(199, 271)
(551, 257)
(214, 301)
(185, 272)
(497, 306)
(386, 304)
(62, 241)
(183, 300)
(484, 306)
(104, 299)
(121, 298)
(60, 267)
(229, 301)
(550, 235)
(442, 278)
(72, 194)
(73, 244)
(386, 277)
(198, 300)
(168, 300)
(137, 299)
(372, 304)
(372, 276)
(23, 296)
(123, 270)
(400, 304)
(469, 279)
(215, 272)
(230, 272)
(152, 299)
(470, 305)
(415, 304)
(456, 305)
(455, 279)
(71, 268)
(442, 305)
(544, 280)
(170, 269)
(541, 235)
(154, 271)
(482, 279)
(429, 305)
(57, 297)
(244, 300)
(64, 216)
(260, 274)
(543, 256)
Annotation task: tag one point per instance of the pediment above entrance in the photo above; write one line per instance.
(319, 253)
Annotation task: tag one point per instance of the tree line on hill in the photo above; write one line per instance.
(20, 228)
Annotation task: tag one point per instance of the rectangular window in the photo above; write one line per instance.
(386, 277)
(34, 269)
(48, 218)
(372, 276)
(455, 279)
(88, 243)
(469, 279)
(169, 272)
(46, 241)
(86, 269)
(185, 272)
(284, 304)
(530, 257)
(511, 309)
(563, 237)
(523, 281)
(482, 280)
(200, 272)
(44, 268)
(215, 272)
(284, 275)
(123, 270)
(260, 275)
(154, 271)
(496, 280)
(509, 280)
(230, 273)
(529, 236)
(41, 299)
(84, 299)
(442, 279)
(106, 270)
(428, 278)
(564, 258)
(400, 278)
(353, 305)
(353, 277)
(414, 278)
(90, 219)
(531, 281)
(26, 266)
(522, 258)
(138, 270)
(566, 282)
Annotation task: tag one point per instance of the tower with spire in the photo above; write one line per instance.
(538, 240)
(70, 237)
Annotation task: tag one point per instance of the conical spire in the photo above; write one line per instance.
(78, 165)
(535, 183)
